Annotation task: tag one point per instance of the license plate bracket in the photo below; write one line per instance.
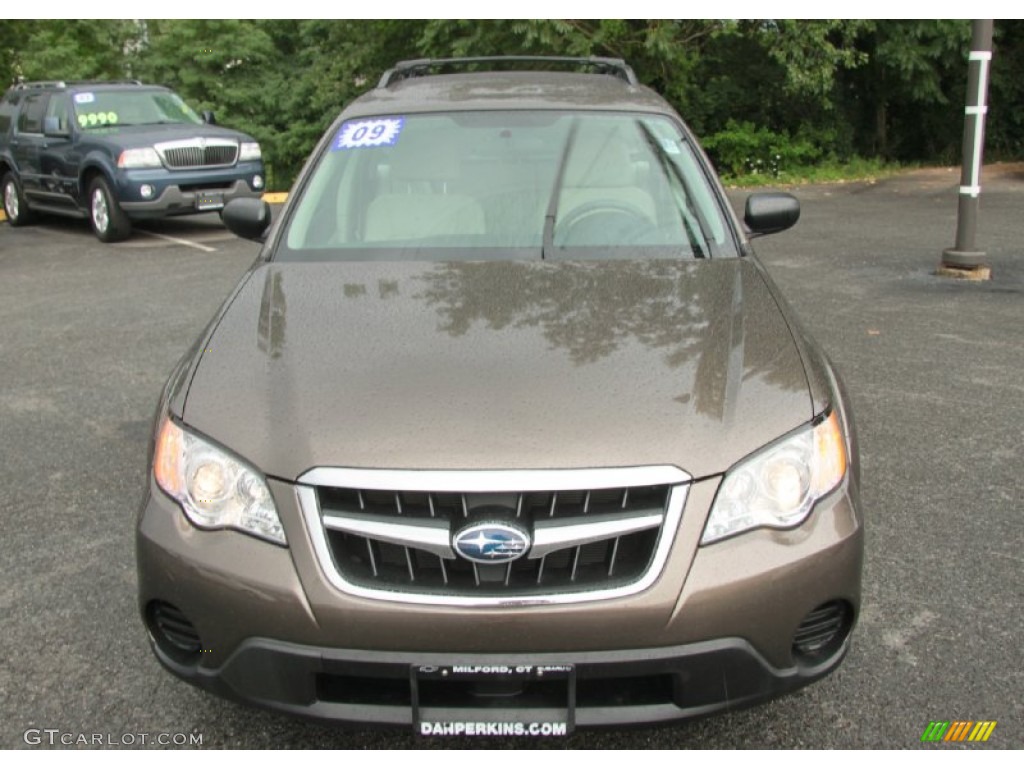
(209, 201)
(493, 699)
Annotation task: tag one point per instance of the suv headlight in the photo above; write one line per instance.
(144, 157)
(777, 488)
(215, 489)
(249, 150)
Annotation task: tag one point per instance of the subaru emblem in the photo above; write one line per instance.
(491, 543)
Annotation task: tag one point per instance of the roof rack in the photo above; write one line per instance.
(20, 86)
(65, 83)
(420, 67)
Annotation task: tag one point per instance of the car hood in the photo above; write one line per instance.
(494, 365)
(135, 136)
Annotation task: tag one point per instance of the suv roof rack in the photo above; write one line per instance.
(21, 86)
(65, 83)
(420, 67)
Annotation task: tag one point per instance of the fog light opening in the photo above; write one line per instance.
(822, 632)
(147, 191)
(174, 634)
(257, 182)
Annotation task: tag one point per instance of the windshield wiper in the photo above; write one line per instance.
(670, 169)
(547, 248)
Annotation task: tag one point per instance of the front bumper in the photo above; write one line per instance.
(181, 192)
(714, 631)
(612, 687)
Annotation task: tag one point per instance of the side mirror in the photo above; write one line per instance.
(51, 127)
(208, 117)
(247, 217)
(770, 212)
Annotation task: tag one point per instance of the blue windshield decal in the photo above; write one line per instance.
(380, 132)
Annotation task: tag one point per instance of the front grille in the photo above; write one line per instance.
(401, 541)
(198, 154)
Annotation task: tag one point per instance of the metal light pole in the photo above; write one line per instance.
(965, 255)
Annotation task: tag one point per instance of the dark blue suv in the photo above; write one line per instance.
(116, 152)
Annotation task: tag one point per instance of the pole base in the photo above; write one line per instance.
(965, 273)
(951, 257)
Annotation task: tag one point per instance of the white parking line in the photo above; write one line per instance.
(179, 241)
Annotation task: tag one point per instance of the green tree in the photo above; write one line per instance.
(1005, 126)
(12, 32)
(907, 96)
(76, 49)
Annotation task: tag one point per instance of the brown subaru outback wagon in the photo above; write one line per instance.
(506, 430)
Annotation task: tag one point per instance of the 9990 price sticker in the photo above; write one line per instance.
(359, 134)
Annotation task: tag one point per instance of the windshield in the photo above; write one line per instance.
(495, 185)
(100, 109)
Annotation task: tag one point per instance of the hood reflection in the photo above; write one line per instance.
(690, 311)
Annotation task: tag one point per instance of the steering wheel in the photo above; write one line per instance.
(604, 222)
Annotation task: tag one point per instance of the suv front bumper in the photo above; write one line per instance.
(174, 200)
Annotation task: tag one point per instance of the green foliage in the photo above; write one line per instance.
(1005, 128)
(743, 149)
(826, 171)
(770, 96)
(812, 52)
(77, 49)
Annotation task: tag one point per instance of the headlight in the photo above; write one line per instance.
(215, 490)
(778, 488)
(249, 150)
(146, 157)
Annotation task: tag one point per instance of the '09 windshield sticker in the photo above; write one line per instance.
(357, 134)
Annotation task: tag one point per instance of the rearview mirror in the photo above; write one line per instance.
(770, 212)
(247, 217)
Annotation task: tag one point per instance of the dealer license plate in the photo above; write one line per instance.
(494, 700)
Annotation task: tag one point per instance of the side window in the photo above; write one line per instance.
(7, 109)
(31, 118)
(59, 108)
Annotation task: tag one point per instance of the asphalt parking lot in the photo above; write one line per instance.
(935, 368)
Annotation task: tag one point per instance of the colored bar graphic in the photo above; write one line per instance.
(958, 730)
(935, 731)
(982, 731)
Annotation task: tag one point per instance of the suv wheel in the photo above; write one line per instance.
(109, 222)
(15, 207)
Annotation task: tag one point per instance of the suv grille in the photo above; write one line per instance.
(195, 153)
(397, 542)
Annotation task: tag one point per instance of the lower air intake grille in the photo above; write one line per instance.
(174, 632)
(823, 630)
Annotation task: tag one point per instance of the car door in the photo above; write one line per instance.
(27, 141)
(58, 157)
